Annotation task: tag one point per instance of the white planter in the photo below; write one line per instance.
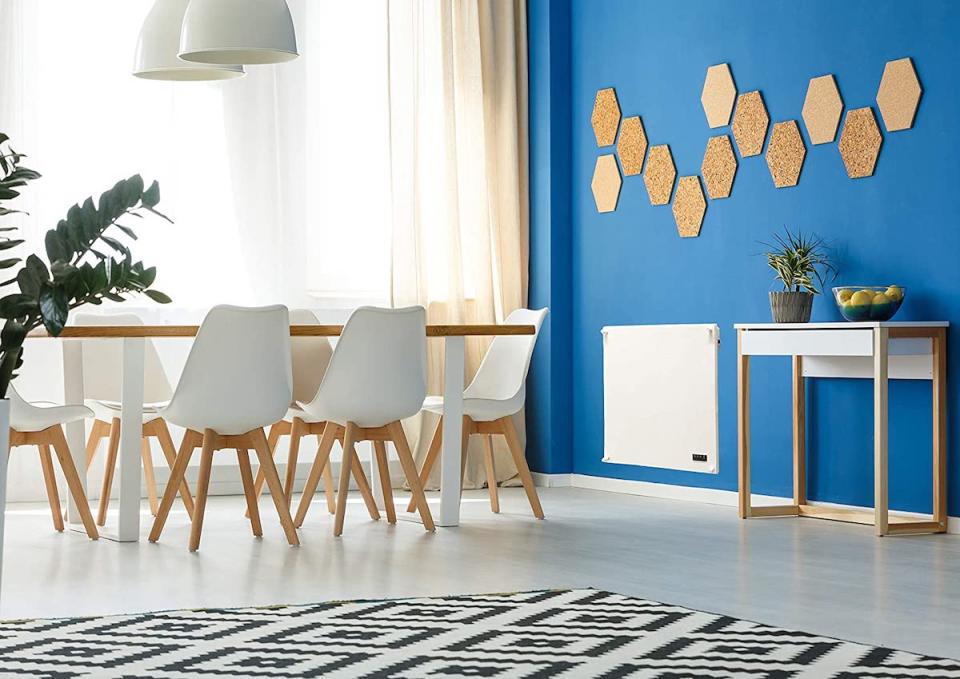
(4, 457)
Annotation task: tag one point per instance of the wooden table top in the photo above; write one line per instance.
(106, 331)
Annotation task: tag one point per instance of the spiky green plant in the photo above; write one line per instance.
(78, 269)
(800, 262)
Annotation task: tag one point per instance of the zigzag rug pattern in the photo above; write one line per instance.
(562, 633)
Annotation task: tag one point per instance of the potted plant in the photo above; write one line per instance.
(86, 263)
(798, 261)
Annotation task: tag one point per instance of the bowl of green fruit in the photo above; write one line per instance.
(869, 302)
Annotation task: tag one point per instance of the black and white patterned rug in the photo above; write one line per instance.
(569, 633)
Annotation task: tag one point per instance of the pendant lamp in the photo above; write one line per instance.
(238, 32)
(158, 45)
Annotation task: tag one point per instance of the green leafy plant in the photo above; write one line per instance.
(86, 260)
(800, 262)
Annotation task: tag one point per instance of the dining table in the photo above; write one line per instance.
(126, 528)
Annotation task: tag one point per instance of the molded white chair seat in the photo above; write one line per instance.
(26, 417)
(42, 426)
(479, 409)
(108, 410)
(295, 411)
(497, 392)
(236, 381)
(376, 377)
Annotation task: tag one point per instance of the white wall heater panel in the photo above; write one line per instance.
(660, 396)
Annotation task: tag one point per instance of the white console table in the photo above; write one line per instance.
(881, 351)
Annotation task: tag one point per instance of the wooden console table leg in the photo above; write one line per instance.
(799, 433)
(743, 428)
(880, 486)
(940, 428)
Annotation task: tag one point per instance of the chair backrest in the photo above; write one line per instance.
(102, 362)
(503, 372)
(310, 356)
(238, 376)
(378, 372)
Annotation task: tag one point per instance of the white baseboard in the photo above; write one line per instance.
(665, 491)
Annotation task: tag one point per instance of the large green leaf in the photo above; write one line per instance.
(54, 308)
(157, 296)
(151, 196)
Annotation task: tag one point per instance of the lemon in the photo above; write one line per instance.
(845, 295)
(881, 298)
(895, 293)
(862, 298)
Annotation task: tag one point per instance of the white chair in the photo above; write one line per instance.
(496, 393)
(236, 381)
(310, 356)
(43, 427)
(102, 381)
(376, 377)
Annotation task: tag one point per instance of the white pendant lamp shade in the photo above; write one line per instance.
(158, 45)
(238, 32)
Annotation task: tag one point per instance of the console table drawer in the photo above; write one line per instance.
(853, 342)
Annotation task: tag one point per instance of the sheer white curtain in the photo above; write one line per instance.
(458, 114)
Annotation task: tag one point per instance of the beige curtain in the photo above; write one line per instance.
(458, 130)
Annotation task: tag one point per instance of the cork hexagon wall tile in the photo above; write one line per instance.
(659, 175)
(719, 167)
(750, 122)
(785, 154)
(860, 142)
(821, 109)
(606, 183)
(718, 95)
(605, 118)
(689, 206)
(632, 145)
(898, 95)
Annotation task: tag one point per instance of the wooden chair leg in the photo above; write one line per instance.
(320, 462)
(246, 476)
(203, 486)
(98, 430)
(363, 485)
(277, 429)
(519, 459)
(297, 430)
(383, 464)
(349, 455)
(177, 473)
(328, 488)
(74, 485)
(265, 453)
(169, 452)
(410, 471)
(491, 473)
(148, 475)
(50, 481)
(433, 453)
(109, 467)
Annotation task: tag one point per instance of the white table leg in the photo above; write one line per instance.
(453, 367)
(880, 408)
(74, 431)
(131, 433)
(4, 456)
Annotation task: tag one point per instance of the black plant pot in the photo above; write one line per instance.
(791, 307)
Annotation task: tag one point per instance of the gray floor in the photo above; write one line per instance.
(828, 578)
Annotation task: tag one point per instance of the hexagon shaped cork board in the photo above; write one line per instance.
(750, 122)
(898, 95)
(605, 118)
(632, 145)
(785, 154)
(606, 183)
(718, 95)
(860, 142)
(821, 109)
(659, 174)
(689, 206)
(719, 167)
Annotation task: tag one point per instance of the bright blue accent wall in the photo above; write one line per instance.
(629, 267)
